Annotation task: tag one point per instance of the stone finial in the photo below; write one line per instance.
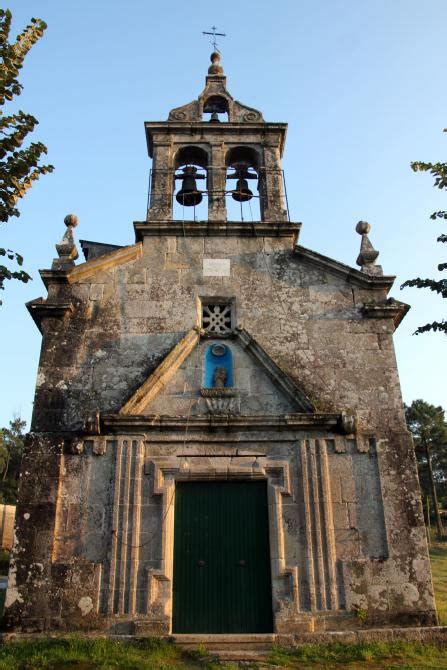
(71, 221)
(368, 255)
(216, 68)
(66, 248)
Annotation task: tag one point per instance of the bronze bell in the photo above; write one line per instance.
(188, 195)
(242, 193)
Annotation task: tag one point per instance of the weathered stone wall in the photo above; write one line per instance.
(346, 534)
(94, 524)
(127, 318)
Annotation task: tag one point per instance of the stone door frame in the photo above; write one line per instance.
(167, 471)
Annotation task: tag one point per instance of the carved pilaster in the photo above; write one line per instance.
(320, 540)
(125, 550)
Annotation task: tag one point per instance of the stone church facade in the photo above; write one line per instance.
(218, 442)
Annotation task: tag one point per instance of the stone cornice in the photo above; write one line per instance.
(53, 277)
(215, 229)
(198, 130)
(90, 268)
(105, 262)
(391, 309)
(118, 423)
(162, 374)
(346, 272)
(40, 309)
(279, 378)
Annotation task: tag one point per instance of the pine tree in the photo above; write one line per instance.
(427, 424)
(11, 450)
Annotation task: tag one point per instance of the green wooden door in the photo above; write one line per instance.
(222, 581)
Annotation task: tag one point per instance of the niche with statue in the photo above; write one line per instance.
(218, 390)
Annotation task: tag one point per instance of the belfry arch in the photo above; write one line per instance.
(218, 107)
(190, 176)
(234, 133)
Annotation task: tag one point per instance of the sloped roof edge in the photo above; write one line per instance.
(350, 274)
(88, 268)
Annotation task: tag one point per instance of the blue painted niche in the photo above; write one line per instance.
(218, 355)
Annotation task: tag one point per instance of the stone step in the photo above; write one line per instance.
(220, 643)
(242, 655)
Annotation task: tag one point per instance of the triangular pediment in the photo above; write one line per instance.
(181, 385)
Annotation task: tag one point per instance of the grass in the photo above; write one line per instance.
(375, 655)
(438, 557)
(79, 653)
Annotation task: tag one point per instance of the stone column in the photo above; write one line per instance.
(272, 199)
(160, 208)
(216, 184)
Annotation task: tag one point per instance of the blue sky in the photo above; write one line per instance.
(360, 82)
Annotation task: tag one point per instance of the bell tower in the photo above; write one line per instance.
(216, 148)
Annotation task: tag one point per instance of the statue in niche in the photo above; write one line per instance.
(220, 377)
(221, 399)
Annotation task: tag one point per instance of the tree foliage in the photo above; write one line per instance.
(428, 426)
(439, 172)
(19, 164)
(11, 450)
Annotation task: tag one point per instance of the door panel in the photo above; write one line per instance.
(222, 581)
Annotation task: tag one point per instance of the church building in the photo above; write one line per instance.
(218, 443)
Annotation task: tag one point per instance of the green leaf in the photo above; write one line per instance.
(20, 163)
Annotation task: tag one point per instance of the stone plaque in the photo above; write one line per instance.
(216, 267)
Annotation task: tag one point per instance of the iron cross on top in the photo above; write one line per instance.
(214, 34)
